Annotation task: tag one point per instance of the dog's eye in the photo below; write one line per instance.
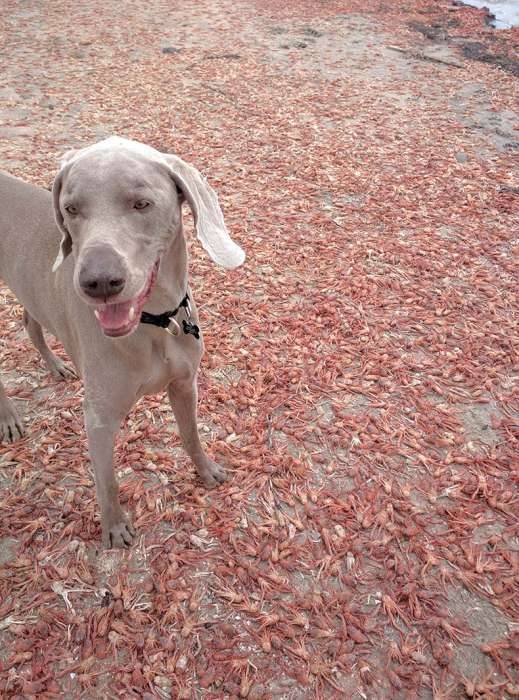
(141, 204)
(71, 209)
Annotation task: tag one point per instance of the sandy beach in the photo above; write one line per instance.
(358, 380)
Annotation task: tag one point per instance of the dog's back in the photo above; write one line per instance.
(27, 226)
(29, 241)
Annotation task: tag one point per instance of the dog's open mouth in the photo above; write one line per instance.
(120, 319)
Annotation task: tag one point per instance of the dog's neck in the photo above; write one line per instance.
(171, 284)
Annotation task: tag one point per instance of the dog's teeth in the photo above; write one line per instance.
(98, 315)
(131, 315)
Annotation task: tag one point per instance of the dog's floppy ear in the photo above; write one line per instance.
(209, 223)
(65, 247)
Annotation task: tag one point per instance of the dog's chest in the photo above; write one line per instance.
(168, 360)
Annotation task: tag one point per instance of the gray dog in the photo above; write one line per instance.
(117, 295)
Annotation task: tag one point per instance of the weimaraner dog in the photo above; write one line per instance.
(116, 295)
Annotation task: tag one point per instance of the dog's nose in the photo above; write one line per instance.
(102, 273)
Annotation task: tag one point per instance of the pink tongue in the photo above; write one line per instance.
(114, 316)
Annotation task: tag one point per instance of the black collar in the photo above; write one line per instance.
(167, 319)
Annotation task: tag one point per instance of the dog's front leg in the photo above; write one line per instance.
(101, 428)
(183, 398)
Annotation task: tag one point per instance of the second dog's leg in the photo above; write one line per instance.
(183, 398)
(56, 367)
(11, 427)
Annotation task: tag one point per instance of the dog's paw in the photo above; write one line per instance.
(118, 534)
(211, 473)
(11, 426)
(60, 370)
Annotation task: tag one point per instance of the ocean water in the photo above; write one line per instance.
(505, 11)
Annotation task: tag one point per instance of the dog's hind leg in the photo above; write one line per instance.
(11, 427)
(56, 367)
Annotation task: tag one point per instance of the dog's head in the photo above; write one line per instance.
(118, 206)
